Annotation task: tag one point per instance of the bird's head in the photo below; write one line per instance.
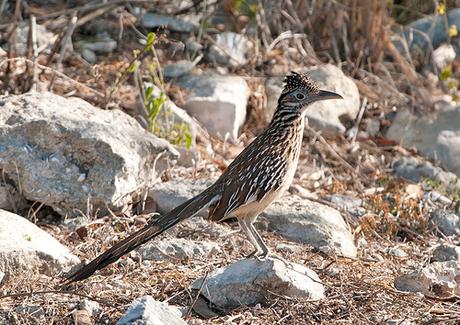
(300, 90)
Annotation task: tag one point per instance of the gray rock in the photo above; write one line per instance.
(152, 20)
(217, 102)
(434, 135)
(416, 170)
(396, 251)
(446, 252)
(323, 115)
(177, 69)
(70, 154)
(169, 195)
(446, 222)
(101, 43)
(188, 157)
(33, 311)
(25, 247)
(250, 281)
(92, 307)
(44, 38)
(148, 311)
(89, 55)
(179, 249)
(172, 119)
(312, 223)
(438, 279)
(349, 203)
(431, 28)
(230, 49)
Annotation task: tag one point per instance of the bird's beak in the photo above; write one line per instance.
(324, 94)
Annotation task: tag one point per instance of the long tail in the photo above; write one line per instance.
(150, 231)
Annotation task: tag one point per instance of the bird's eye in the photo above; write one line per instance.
(300, 96)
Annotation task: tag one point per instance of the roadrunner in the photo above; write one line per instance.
(257, 177)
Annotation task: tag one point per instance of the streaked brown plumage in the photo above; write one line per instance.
(257, 177)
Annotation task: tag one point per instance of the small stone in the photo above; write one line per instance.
(152, 20)
(217, 102)
(250, 281)
(92, 307)
(89, 55)
(147, 311)
(349, 203)
(288, 248)
(443, 56)
(446, 222)
(312, 223)
(26, 247)
(101, 43)
(438, 279)
(35, 312)
(178, 249)
(177, 69)
(396, 251)
(446, 252)
(231, 49)
(188, 157)
(373, 127)
(417, 170)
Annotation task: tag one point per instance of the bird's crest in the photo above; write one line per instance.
(295, 80)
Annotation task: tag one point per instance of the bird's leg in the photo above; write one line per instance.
(265, 251)
(260, 242)
(245, 226)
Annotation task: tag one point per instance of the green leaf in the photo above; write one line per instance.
(150, 39)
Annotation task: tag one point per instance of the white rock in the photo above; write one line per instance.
(152, 20)
(217, 102)
(147, 311)
(178, 249)
(250, 281)
(26, 247)
(443, 56)
(323, 115)
(434, 135)
(438, 279)
(309, 222)
(446, 252)
(231, 49)
(51, 141)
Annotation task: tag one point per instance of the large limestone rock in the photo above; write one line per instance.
(70, 155)
(217, 102)
(148, 311)
(26, 247)
(436, 135)
(312, 223)
(322, 115)
(250, 281)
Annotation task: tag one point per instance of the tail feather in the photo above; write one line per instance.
(150, 231)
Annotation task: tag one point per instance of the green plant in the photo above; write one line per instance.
(155, 103)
